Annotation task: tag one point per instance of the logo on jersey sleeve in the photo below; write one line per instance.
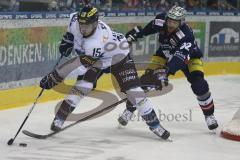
(159, 22)
(180, 34)
(73, 19)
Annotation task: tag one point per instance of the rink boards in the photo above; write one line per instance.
(29, 49)
(25, 95)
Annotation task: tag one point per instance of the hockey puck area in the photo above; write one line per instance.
(10, 142)
(23, 144)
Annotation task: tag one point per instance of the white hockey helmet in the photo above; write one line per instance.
(177, 13)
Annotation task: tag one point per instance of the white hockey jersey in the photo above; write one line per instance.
(104, 44)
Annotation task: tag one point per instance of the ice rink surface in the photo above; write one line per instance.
(101, 139)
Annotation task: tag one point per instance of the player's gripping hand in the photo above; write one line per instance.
(50, 80)
(134, 34)
(66, 44)
(87, 61)
(161, 76)
(157, 78)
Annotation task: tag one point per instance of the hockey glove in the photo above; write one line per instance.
(50, 80)
(161, 76)
(134, 34)
(87, 60)
(156, 78)
(66, 44)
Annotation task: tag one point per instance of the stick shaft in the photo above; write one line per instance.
(34, 104)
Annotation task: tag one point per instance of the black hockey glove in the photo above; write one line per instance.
(87, 60)
(161, 76)
(134, 34)
(156, 78)
(50, 80)
(92, 75)
(66, 44)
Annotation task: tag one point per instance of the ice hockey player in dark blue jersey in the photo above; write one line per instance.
(177, 51)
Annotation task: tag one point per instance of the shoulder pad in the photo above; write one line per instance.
(72, 15)
(161, 16)
(186, 29)
(73, 18)
(103, 25)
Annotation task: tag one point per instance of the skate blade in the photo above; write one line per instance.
(169, 139)
(119, 126)
(214, 131)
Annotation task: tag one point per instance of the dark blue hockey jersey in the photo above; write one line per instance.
(178, 47)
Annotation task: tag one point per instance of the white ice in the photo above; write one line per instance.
(100, 139)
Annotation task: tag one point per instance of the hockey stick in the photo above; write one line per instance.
(45, 136)
(10, 142)
(38, 136)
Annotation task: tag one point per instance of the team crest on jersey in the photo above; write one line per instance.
(173, 43)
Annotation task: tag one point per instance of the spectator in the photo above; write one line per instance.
(212, 4)
(132, 4)
(15, 5)
(228, 4)
(192, 4)
(232, 3)
(53, 6)
(147, 5)
(118, 4)
(62, 5)
(76, 5)
(107, 5)
(162, 5)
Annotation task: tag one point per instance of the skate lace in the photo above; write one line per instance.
(127, 115)
(210, 120)
(158, 130)
(58, 122)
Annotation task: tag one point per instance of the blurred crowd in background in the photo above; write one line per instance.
(112, 5)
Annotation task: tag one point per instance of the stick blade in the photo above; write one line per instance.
(34, 135)
(10, 142)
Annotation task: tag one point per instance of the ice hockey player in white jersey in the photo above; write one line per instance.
(99, 48)
(177, 51)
